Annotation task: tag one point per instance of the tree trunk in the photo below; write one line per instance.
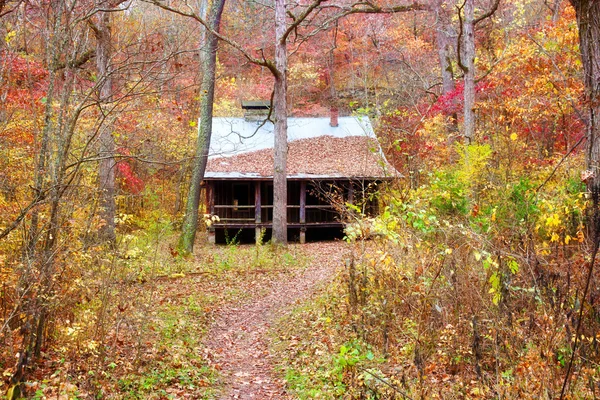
(106, 172)
(207, 91)
(443, 40)
(280, 113)
(469, 71)
(588, 22)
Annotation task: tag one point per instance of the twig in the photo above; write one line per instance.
(387, 383)
(560, 162)
(40, 198)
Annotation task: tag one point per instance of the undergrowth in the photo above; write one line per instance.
(135, 318)
(467, 287)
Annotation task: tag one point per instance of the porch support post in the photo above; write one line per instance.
(302, 212)
(257, 211)
(351, 192)
(210, 209)
(210, 197)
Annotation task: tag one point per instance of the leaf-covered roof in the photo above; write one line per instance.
(315, 150)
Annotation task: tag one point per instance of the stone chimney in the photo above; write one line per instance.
(334, 113)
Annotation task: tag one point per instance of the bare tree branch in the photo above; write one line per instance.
(487, 14)
(191, 14)
(3, 3)
(15, 224)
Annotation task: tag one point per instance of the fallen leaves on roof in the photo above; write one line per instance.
(353, 156)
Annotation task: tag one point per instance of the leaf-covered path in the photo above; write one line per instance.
(239, 341)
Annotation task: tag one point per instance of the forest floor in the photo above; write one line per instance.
(192, 329)
(239, 339)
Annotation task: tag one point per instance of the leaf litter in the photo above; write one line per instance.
(239, 339)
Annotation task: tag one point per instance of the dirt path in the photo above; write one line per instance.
(238, 340)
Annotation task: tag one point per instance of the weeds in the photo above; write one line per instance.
(460, 290)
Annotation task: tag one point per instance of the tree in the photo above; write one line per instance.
(588, 23)
(280, 108)
(69, 126)
(466, 59)
(443, 39)
(208, 59)
(106, 171)
(64, 55)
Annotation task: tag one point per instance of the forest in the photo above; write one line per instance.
(469, 274)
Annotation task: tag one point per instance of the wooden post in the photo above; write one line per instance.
(257, 211)
(351, 192)
(302, 212)
(210, 197)
(210, 208)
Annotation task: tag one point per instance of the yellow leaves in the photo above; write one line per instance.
(513, 136)
(473, 160)
(92, 345)
(133, 253)
(553, 220)
(10, 36)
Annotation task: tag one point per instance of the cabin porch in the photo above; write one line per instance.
(314, 207)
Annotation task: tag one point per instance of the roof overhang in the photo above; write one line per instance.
(298, 177)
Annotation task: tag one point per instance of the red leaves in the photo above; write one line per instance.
(131, 182)
(452, 102)
(27, 80)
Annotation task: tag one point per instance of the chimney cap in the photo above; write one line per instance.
(256, 105)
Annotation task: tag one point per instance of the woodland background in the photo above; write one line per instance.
(479, 284)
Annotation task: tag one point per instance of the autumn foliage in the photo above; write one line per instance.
(468, 285)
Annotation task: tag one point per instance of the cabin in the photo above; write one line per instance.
(331, 161)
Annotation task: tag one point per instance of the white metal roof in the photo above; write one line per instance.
(233, 136)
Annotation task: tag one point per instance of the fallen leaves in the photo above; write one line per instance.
(324, 155)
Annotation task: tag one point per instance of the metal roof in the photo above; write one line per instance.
(239, 149)
(233, 136)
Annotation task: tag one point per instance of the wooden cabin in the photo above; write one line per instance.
(331, 161)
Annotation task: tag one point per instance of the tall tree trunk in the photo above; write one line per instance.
(469, 71)
(41, 176)
(106, 172)
(588, 22)
(59, 125)
(207, 91)
(280, 113)
(443, 40)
